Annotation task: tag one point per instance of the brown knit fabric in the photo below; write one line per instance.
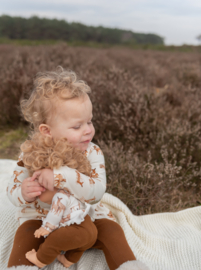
(80, 237)
(74, 239)
(111, 240)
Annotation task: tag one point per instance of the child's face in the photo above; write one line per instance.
(73, 121)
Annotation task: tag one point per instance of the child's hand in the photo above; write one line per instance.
(31, 189)
(41, 232)
(45, 178)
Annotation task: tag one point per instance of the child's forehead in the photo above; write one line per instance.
(74, 108)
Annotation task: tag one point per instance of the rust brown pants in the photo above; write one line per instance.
(73, 239)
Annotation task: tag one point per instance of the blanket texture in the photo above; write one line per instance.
(165, 241)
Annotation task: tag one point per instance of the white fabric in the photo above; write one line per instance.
(166, 241)
(137, 265)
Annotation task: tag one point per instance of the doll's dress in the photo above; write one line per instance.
(66, 210)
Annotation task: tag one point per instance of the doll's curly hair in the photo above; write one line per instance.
(49, 88)
(46, 152)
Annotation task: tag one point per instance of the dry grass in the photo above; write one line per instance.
(147, 112)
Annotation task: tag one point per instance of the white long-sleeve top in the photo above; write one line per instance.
(89, 189)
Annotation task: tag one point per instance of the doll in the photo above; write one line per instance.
(45, 152)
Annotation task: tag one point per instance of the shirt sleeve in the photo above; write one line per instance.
(54, 216)
(14, 185)
(85, 188)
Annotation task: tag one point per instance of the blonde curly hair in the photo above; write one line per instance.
(49, 88)
(46, 152)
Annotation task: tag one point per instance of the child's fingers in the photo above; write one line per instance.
(35, 189)
(34, 194)
(35, 175)
(45, 183)
(33, 185)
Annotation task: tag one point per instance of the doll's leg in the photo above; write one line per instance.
(23, 242)
(112, 241)
(81, 237)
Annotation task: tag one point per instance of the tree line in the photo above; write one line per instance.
(35, 28)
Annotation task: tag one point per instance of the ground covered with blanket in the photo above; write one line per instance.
(166, 241)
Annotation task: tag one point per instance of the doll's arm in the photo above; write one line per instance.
(82, 187)
(53, 218)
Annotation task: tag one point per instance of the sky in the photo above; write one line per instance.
(178, 21)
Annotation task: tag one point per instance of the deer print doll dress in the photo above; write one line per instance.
(65, 210)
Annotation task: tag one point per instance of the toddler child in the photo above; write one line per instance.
(60, 107)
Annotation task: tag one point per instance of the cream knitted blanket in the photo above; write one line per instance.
(166, 241)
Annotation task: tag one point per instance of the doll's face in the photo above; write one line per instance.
(47, 196)
(73, 121)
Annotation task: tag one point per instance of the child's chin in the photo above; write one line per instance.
(83, 147)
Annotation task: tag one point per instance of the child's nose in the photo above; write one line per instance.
(88, 130)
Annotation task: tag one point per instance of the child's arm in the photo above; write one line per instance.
(20, 189)
(53, 218)
(82, 187)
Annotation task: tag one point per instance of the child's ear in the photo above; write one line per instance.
(45, 130)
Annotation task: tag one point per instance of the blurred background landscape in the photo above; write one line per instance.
(146, 97)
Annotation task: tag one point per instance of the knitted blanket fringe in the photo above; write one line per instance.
(134, 265)
(164, 241)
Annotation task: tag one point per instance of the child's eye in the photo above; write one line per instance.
(77, 127)
(90, 122)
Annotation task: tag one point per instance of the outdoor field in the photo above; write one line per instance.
(147, 116)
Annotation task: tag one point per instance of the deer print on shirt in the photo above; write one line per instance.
(16, 175)
(39, 209)
(74, 208)
(91, 150)
(65, 219)
(58, 180)
(79, 179)
(50, 227)
(91, 181)
(57, 206)
(102, 166)
(24, 209)
(28, 202)
(20, 200)
(39, 217)
(98, 150)
(110, 215)
(65, 192)
(93, 173)
(85, 153)
(13, 188)
(90, 200)
(82, 199)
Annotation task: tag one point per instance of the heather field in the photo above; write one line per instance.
(147, 115)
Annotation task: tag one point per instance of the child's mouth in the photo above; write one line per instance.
(86, 141)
